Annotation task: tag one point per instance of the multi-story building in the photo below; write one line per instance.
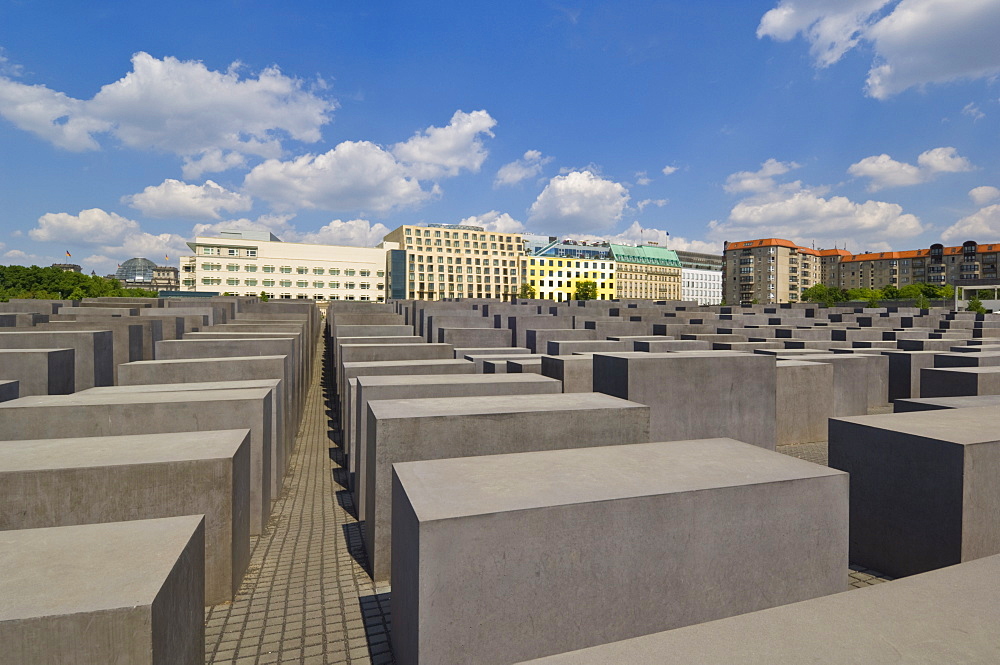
(453, 261)
(555, 278)
(248, 263)
(140, 273)
(553, 246)
(701, 277)
(774, 270)
(647, 272)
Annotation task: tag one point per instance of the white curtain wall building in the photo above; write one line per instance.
(248, 263)
(703, 286)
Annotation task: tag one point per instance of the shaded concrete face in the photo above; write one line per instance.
(566, 348)
(64, 482)
(923, 487)
(537, 340)
(960, 381)
(87, 414)
(80, 593)
(488, 337)
(904, 372)
(851, 381)
(696, 395)
(542, 549)
(410, 430)
(372, 388)
(913, 620)
(133, 338)
(92, 352)
(804, 401)
(576, 372)
(8, 390)
(933, 403)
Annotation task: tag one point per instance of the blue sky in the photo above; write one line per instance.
(126, 128)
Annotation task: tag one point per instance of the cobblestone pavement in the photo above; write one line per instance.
(305, 597)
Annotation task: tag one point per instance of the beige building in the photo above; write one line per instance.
(453, 261)
(773, 270)
(248, 263)
(646, 272)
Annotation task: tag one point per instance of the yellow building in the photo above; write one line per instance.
(556, 278)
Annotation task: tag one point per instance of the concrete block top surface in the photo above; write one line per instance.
(220, 359)
(966, 402)
(86, 398)
(72, 569)
(109, 451)
(963, 427)
(404, 363)
(436, 407)
(182, 387)
(450, 379)
(459, 487)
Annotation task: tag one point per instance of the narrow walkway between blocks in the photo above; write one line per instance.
(305, 598)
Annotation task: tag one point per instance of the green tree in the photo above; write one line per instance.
(975, 305)
(946, 292)
(263, 297)
(890, 292)
(922, 302)
(527, 291)
(586, 290)
(821, 293)
(874, 298)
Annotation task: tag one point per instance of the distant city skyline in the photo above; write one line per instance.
(866, 123)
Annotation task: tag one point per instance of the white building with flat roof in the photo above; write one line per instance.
(252, 262)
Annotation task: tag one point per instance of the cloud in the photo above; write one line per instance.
(973, 111)
(209, 118)
(173, 198)
(985, 194)
(354, 233)
(355, 175)
(493, 220)
(884, 171)
(670, 170)
(519, 170)
(916, 43)
(636, 234)
(212, 161)
(641, 178)
(93, 226)
(761, 180)
(983, 225)
(659, 203)
(578, 202)
(8, 68)
(444, 151)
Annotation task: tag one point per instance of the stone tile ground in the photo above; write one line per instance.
(306, 597)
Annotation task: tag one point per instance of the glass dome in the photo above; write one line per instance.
(136, 270)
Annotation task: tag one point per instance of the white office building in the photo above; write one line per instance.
(249, 263)
(702, 286)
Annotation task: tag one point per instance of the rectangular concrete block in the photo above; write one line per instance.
(92, 352)
(923, 487)
(670, 345)
(39, 371)
(544, 535)
(804, 401)
(9, 390)
(904, 372)
(576, 372)
(422, 429)
(959, 381)
(569, 347)
(472, 337)
(933, 403)
(855, 380)
(538, 340)
(698, 395)
(63, 482)
(89, 414)
(124, 592)
(946, 616)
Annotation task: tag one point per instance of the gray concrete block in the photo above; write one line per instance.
(422, 429)
(525, 366)
(983, 359)
(472, 337)
(89, 414)
(543, 535)
(133, 338)
(959, 381)
(859, 381)
(804, 401)
(93, 359)
(511, 350)
(923, 487)
(62, 482)
(569, 347)
(372, 388)
(576, 372)
(123, 592)
(537, 340)
(39, 371)
(9, 390)
(904, 372)
(933, 403)
(499, 360)
(670, 345)
(946, 616)
(696, 396)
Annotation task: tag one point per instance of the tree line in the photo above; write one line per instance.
(23, 282)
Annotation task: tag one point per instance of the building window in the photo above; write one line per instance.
(285, 283)
(317, 271)
(268, 282)
(250, 268)
(366, 273)
(334, 285)
(232, 267)
(251, 282)
(286, 269)
(365, 285)
(208, 251)
(302, 270)
(349, 272)
(268, 268)
(234, 252)
(380, 273)
(232, 281)
(252, 253)
(349, 285)
(334, 271)
(318, 285)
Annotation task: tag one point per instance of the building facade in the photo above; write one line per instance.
(555, 278)
(701, 277)
(774, 270)
(646, 272)
(453, 261)
(251, 263)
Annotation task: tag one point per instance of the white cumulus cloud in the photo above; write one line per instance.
(579, 201)
(670, 170)
(93, 226)
(915, 42)
(209, 118)
(659, 203)
(761, 180)
(437, 152)
(493, 220)
(173, 198)
(982, 225)
(884, 171)
(354, 233)
(984, 194)
(529, 166)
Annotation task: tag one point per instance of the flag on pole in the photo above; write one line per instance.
(166, 258)
(68, 255)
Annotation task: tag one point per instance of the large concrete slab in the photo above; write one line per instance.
(92, 352)
(904, 372)
(62, 482)
(923, 487)
(946, 616)
(9, 390)
(576, 372)
(124, 592)
(544, 535)
(371, 388)
(933, 403)
(959, 381)
(422, 429)
(39, 371)
(804, 401)
(698, 395)
(89, 414)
